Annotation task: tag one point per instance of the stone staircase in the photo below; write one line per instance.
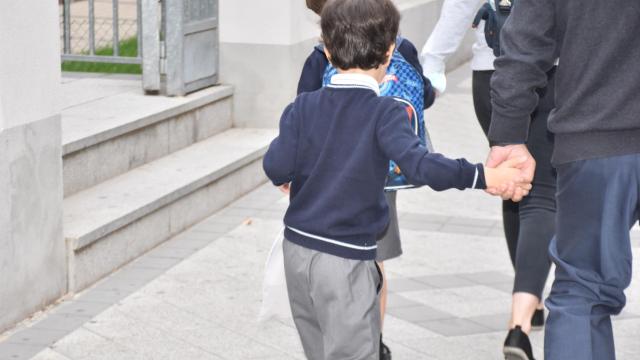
(141, 169)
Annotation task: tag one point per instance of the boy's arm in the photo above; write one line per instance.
(279, 161)
(312, 72)
(410, 53)
(420, 166)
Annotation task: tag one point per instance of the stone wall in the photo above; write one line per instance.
(32, 250)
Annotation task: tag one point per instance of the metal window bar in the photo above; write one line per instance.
(139, 27)
(92, 28)
(116, 58)
(67, 26)
(116, 29)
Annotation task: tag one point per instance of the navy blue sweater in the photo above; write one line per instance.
(334, 147)
(317, 62)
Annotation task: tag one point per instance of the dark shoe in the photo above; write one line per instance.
(517, 345)
(385, 353)
(537, 320)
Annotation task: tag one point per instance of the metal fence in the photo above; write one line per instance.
(90, 26)
(176, 40)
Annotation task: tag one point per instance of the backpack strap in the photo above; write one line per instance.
(495, 14)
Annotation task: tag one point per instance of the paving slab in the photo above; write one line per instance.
(49, 354)
(398, 301)
(13, 351)
(444, 281)
(419, 314)
(455, 327)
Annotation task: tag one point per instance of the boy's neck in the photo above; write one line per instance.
(377, 74)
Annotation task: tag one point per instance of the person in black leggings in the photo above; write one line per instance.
(529, 225)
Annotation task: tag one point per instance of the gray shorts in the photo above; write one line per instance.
(334, 302)
(389, 246)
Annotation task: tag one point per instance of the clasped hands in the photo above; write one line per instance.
(514, 184)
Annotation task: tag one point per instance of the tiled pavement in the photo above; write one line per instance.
(198, 295)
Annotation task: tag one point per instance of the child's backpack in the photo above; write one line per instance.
(406, 85)
(494, 17)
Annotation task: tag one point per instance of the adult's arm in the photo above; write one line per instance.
(454, 22)
(529, 51)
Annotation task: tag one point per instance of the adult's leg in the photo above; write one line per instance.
(481, 89)
(537, 219)
(511, 226)
(537, 227)
(597, 205)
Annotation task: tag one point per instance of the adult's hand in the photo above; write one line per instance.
(500, 154)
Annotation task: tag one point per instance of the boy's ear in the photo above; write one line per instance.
(390, 54)
(327, 53)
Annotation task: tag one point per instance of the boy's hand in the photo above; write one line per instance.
(285, 188)
(508, 178)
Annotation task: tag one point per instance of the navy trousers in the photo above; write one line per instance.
(597, 204)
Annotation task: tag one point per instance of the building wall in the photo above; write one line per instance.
(264, 45)
(274, 22)
(29, 74)
(32, 249)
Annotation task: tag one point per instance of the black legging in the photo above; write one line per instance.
(530, 224)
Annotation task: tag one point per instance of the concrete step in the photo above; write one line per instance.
(112, 223)
(105, 135)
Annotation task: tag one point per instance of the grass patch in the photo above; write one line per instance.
(128, 47)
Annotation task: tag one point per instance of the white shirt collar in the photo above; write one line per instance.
(355, 81)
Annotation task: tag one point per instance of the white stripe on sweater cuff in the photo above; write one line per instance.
(475, 179)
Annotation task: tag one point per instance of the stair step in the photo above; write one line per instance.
(95, 212)
(119, 114)
(107, 136)
(105, 212)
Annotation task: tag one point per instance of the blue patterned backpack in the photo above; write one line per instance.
(405, 85)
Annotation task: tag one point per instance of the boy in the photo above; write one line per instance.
(311, 79)
(334, 148)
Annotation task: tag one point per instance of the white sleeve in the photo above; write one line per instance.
(455, 20)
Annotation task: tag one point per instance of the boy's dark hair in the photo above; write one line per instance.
(358, 33)
(316, 5)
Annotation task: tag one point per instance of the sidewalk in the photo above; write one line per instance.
(198, 295)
